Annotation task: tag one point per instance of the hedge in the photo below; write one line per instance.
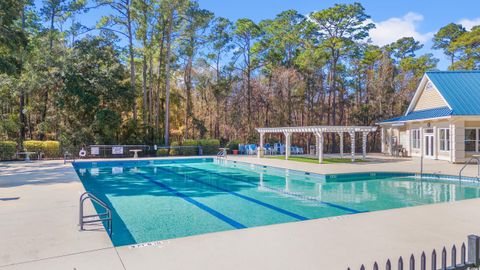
(192, 148)
(233, 145)
(51, 149)
(209, 147)
(7, 150)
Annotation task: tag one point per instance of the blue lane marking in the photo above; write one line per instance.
(347, 209)
(250, 199)
(198, 204)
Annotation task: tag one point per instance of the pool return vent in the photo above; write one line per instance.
(99, 218)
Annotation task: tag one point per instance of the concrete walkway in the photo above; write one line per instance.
(375, 163)
(39, 216)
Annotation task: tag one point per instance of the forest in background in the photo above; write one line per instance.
(163, 71)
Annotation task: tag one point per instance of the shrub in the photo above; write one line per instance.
(210, 146)
(174, 151)
(7, 150)
(189, 148)
(233, 145)
(51, 149)
(162, 152)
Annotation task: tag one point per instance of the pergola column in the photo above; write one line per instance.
(364, 145)
(340, 134)
(260, 149)
(288, 142)
(319, 136)
(382, 136)
(352, 140)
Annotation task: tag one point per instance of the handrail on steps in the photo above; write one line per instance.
(86, 219)
(477, 158)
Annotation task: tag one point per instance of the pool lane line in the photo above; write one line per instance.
(250, 199)
(198, 204)
(344, 208)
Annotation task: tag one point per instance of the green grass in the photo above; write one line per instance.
(315, 160)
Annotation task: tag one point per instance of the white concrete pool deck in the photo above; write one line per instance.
(39, 217)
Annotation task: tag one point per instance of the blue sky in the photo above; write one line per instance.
(394, 19)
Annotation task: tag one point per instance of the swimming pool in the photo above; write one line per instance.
(162, 199)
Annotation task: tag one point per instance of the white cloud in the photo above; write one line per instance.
(469, 23)
(394, 28)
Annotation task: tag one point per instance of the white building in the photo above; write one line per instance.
(442, 121)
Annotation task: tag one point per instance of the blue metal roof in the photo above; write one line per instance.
(423, 114)
(461, 90)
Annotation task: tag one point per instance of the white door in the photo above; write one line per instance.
(429, 145)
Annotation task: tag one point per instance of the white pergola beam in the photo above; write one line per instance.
(319, 133)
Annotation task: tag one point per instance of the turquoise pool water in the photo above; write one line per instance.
(163, 199)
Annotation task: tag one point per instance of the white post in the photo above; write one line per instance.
(389, 141)
(422, 144)
(382, 137)
(452, 143)
(317, 141)
(364, 145)
(436, 142)
(319, 136)
(341, 143)
(352, 139)
(260, 149)
(288, 138)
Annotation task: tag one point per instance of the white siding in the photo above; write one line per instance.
(429, 99)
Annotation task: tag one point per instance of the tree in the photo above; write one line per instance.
(12, 38)
(122, 18)
(445, 37)
(194, 37)
(404, 47)
(339, 27)
(280, 44)
(245, 34)
(95, 92)
(468, 46)
(220, 40)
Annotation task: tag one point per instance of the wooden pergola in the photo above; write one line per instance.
(319, 131)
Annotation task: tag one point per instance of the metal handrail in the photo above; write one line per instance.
(66, 154)
(107, 216)
(477, 157)
(222, 153)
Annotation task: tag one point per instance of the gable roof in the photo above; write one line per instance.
(459, 89)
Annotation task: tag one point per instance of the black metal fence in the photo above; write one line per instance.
(109, 151)
(469, 259)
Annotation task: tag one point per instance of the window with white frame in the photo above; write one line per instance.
(416, 138)
(444, 139)
(471, 139)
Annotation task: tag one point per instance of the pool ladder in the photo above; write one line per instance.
(477, 158)
(222, 153)
(87, 219)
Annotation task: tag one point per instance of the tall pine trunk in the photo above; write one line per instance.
(167, 78)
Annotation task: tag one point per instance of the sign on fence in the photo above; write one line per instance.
(95, 151)
(117, 150)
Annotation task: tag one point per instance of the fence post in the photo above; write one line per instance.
(473, 250)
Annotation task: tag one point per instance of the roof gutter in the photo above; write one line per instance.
(415, 120)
